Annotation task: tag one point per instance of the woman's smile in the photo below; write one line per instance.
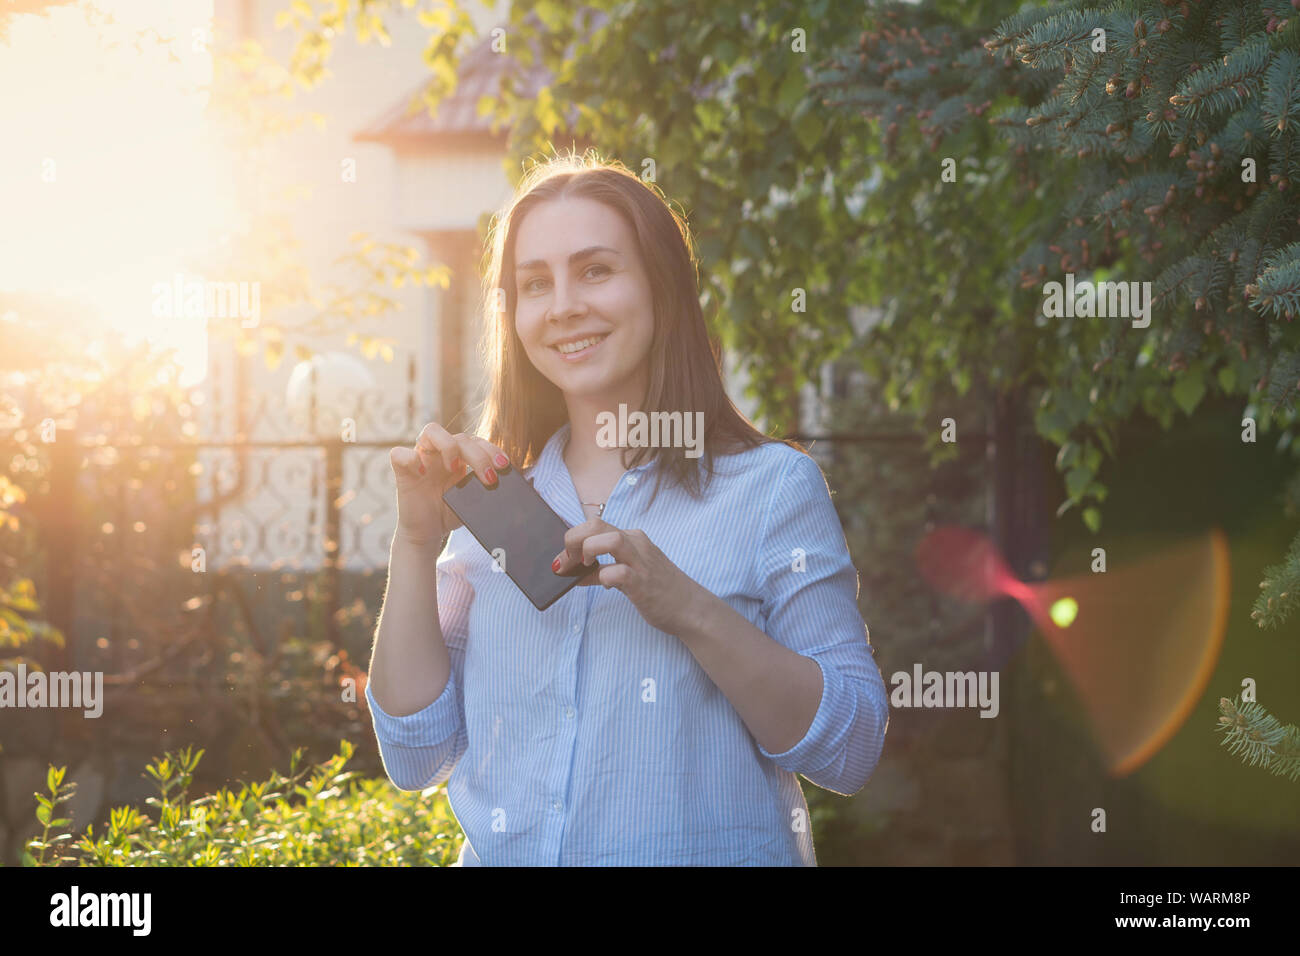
(577, 350)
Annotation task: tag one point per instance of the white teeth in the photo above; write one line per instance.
(579, 345)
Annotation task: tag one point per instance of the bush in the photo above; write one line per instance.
(317, 816)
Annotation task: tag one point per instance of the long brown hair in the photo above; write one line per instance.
(523, 408)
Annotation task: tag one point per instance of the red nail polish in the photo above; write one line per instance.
(491, 476)
(555, 565)
(502, 461)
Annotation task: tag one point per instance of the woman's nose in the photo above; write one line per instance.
(567, 300)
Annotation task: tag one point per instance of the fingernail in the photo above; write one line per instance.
(501, 461)
(421, 467)
(555, 565)
(491, 476)
(455, 464)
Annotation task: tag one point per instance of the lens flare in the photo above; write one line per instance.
(1064, 611)
(1142, 640)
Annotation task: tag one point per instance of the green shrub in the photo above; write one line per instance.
(317, 816)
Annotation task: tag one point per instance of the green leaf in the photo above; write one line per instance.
(1091, 457)
(43, 814)
(1189, 389)
(1092, 518)
(792, 88)
(752, 242)
(711, 249)
(1076, 481)
(1227, 378)
(808, 129)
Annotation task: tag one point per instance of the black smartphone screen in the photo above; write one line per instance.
(516, 526)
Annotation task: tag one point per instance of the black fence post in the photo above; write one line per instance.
(333, 531)
(1019, 521)
(1018, 515)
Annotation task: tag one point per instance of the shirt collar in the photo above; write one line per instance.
(550, 470)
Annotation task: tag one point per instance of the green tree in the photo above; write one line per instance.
(1184, 116)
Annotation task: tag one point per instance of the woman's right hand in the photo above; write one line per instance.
(424, 472)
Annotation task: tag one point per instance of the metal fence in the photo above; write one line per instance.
(314, 508)
(260, 499)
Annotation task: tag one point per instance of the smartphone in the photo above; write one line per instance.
(518, 529)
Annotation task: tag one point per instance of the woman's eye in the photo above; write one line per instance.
(530, 287)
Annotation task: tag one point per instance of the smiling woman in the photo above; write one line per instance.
(624, 275)
(662, 717)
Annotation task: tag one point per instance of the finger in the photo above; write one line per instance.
(495, 455)
(477, 458)
(571, 556)
(593, 577)
(406, 461)
(434, 441)
(613, 576)
(613, 543)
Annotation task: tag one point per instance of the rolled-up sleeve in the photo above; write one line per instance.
(420, 750)
(810, 589)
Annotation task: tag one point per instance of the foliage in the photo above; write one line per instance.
(316, 816)
(1260, 738)
(1181, 114)
(21, 626)
(1183, 118)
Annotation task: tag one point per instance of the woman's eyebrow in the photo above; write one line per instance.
(580, 254)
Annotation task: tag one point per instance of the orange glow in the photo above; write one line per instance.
(1142, 646)
(113, 177)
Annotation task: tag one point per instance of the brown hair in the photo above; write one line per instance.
(523, 408)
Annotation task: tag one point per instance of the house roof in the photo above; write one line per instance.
(479, 74)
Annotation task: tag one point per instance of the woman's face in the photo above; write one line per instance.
(578, 276)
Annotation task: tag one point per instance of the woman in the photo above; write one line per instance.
(660, 717)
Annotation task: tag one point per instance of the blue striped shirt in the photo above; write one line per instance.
(580, 735)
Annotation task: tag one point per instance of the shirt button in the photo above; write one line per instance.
(556, 805)
(569, 712)
(631, 479)
(577, 628)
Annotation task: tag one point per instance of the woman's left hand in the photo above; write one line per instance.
(662, 592)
